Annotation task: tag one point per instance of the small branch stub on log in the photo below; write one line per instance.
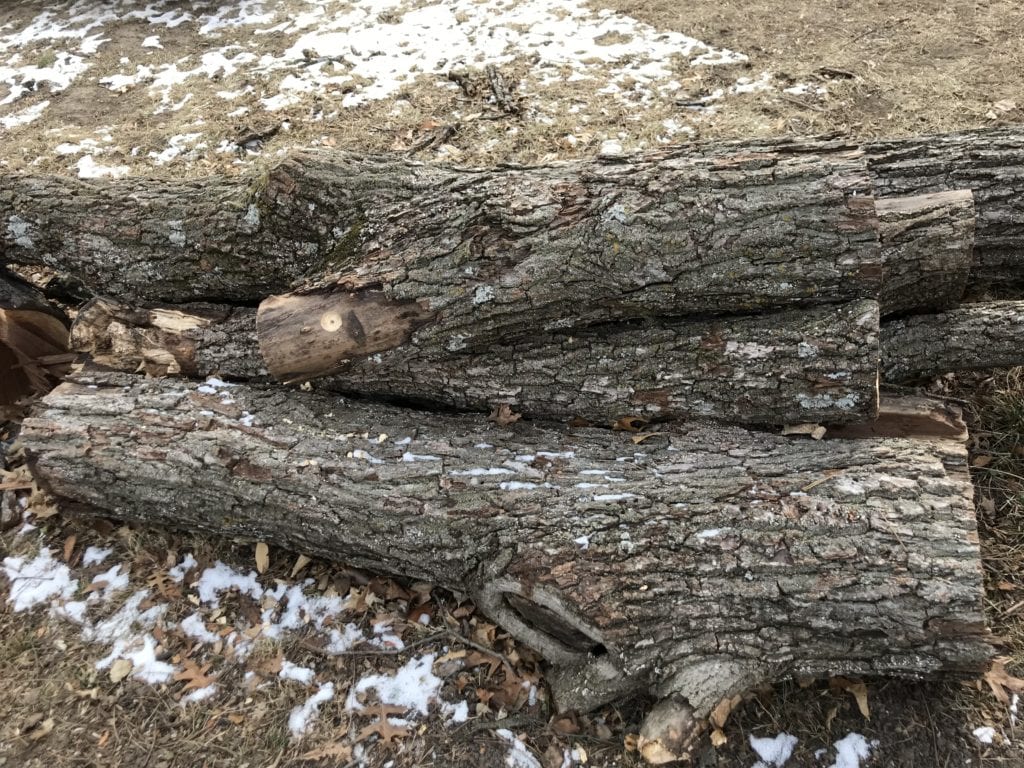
(817, 364)
(701, 563)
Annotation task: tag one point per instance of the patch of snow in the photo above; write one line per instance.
(153, 41)
(25, 116)
(95, 556)
(410, 457)
(298, 719)
(109, 582)
(294, 672)
(518, 756)
(38, 581)
(851, 749)
(223, 578)
(774, 751)
(199, 694)
(984, 734)
(412, 686)
(88, 168)
(194, 626)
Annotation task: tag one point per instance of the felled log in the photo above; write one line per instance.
(988, 162)
(694, 565)
(484, 253)
(33, 339)
(820, 364)
(971, 337)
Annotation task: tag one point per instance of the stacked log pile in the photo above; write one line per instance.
(581, 393)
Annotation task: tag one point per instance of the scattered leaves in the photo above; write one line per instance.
(639, 438)
(502, 415)
(981, 461)
(718, 738)
(262, 557)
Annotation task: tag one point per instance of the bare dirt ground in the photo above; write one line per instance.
(183, 664)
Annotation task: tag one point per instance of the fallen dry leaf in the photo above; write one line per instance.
(816, 431)
(335, 750)
(981, 461)
(857, 689)
(1001, 681)
(300, 562)
(262, 557)
(639, 438)
(629, 424)
(194, 676)
(120, 669)
(718, 737)
(502, 415)
(69, 547)
(41, 730)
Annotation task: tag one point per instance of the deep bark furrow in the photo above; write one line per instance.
(971, 337)
(705, 542)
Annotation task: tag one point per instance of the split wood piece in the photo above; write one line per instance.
(487, 254)
(693, 566)
(184, 340)
(971, 337)
(817, 364)
(927, 250)
(33, 341)
(908, 416)
(988, 162)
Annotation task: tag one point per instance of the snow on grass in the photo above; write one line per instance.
(851, 749)
(88, 168)
(984, 734)
(518, 756)
(221, 578)
(774, 752)
(412, 686)
(294, 672)
(346, 54)
(95, 556)
(298, 719)
(39, 581)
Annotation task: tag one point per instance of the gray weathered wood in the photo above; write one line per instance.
(819, 364)
(971, 337)
(989, 163)
(927, 250)
(694, 565)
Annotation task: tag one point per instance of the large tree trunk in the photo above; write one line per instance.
(819, 364)
(693, 565)
(971, 337)
(485, 253)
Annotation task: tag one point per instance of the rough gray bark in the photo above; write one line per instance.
(971, 337)
(990, 163)
(486, 254)
(927, 250)
(694, 565)
(819, 364)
